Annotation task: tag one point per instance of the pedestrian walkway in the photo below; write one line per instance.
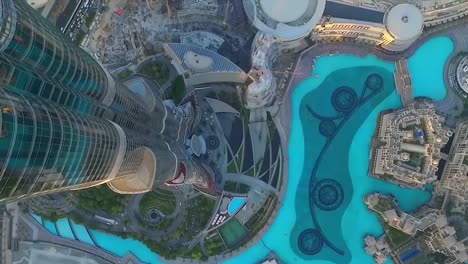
(403, 81)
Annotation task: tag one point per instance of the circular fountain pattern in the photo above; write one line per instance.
(374, 82)
(344, 99)
(213, 142)
(153, 216)
(310, 241)
(327, 128)
(327, 194)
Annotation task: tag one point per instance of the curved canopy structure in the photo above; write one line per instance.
(199, 65)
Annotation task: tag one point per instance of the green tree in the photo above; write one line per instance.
(101, 198)
(177, 90)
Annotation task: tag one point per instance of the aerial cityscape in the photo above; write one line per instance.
(235, 132)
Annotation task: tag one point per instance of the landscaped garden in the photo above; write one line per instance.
(395, 237)
(155, 70)
(101, 198)
(164, 202)
(177, 90)
(124, 74)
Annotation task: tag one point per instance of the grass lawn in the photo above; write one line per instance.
(396, 237)
(124, 74)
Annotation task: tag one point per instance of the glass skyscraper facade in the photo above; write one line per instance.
(66, 123)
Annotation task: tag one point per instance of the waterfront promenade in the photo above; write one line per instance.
(39, 234)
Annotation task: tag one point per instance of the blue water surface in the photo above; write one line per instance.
(120, 247)
(81, 233)
(235, 205)
(428, 60)
(64, 229)
(50, 226)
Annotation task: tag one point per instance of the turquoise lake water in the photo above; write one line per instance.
(346, 225)
(339, 152)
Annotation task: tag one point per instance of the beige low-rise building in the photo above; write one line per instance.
(439, 13)
(407, 143)
(378, 248)
(399, 28)
(439, 236)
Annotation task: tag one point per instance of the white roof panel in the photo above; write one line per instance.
(404, 21)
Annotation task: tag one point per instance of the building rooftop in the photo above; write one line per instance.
(407, 143)
(199, 60)
(284, 10)
(141, 181)
(462, 74)
(404, 21)
(285, 19)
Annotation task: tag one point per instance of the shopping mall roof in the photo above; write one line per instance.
(404, 21)
(285, 19)
(284, 10)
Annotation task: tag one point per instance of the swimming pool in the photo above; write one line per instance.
(352, 218)
(81, 232)
(64, 229)
(235, 205)
(50, 226)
